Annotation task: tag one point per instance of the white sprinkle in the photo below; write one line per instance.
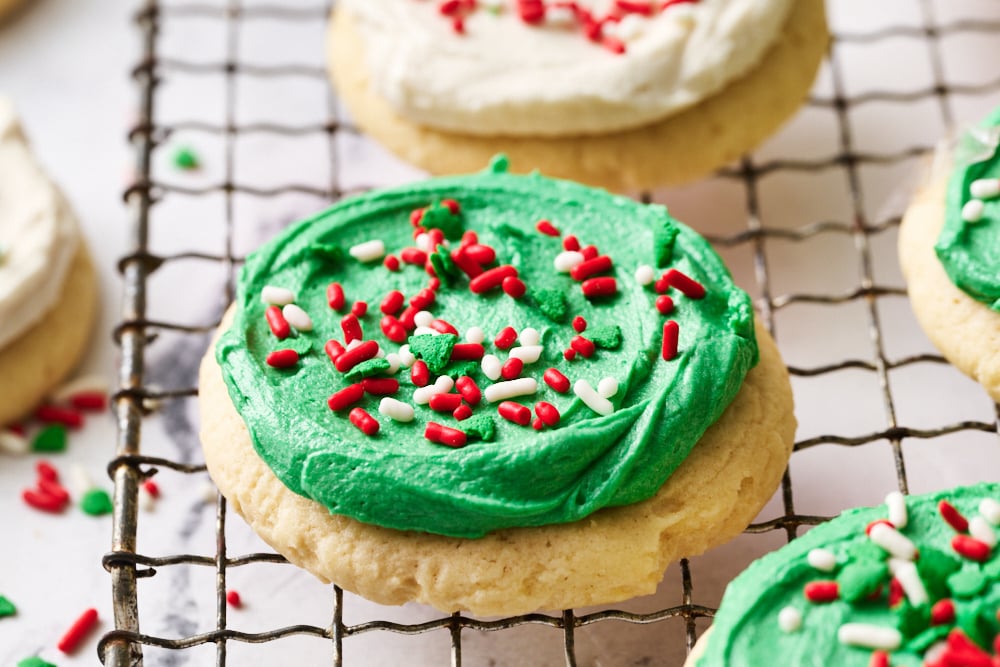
(822, 560)
(423, 318)
(79, 479)
(423, 241)
(426, 331)
(869, 636)
(87, 383)
(981, 529)
(909, 578)
(529, 336)
(394, 362)
(565, 261)
(645, 275)
(277, 296)
(380, 354)
(297, 317)
(406, 358)
(592, 399)
(933, 655)
(475, 335)
(973, 210)
(444, 383)
(353, 344)
(501, 391)
(422, 395)
(395, 410)
(893, 541)
(990, 509)
(789, 619)
(491, 366)
(607, 387)
(559, 16)
(12, 443)
(985, 188)
(147, 503)
(369, 251)
(529, 354)
(896, 503)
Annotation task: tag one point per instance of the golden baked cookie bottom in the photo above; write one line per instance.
(966, 331)
(38, 360)
(612, 555)
(680, 148)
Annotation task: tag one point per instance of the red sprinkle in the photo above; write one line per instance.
(469, 390)
(597, 287)
(467, 352)
(422, 299)
(481, 254)
(879, 659)
(43, 501)
(352, 328)
(822, 591)
(346, 397)
(359, 308)
(469, 266)
(91, 401)
(591, 267)
(68, 417)
(452, 206)
(420, 375)
(511, 368)
(364, 421)
(671, 338)
(571, 243)
(354, 356)
(443, 435)
(462, 412)
(469, 238)
(583, 346)
(393, 329)
(46, 471)
(556, 380)
(406, 318)
(333, 349)
(234, 599)
(276, 320)
(688, 287)
(380, 386)
(391, 262)
(569, 355)
(547, 228)
(392, 302)
(436, 237)
(506, 338)
(953, 517)
(514, 287)
(664, 304)
(54, 490)
(413, 256)
(868, 528)
(661, 286)
(579, 324)
(416, 215)
(444, 327)
(531, 12)
(445, 402)
(335, 296)
(548, 413)
(971, 548)
(433, 284)
(590, 252)
(282, 359)
(78, 631)
(492, 278)
(896, 592)
(151, 488)
(943, 612)
(515, 412)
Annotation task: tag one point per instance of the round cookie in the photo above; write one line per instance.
(658, 451)
(966, 331)
(914, 583)
(681, 147)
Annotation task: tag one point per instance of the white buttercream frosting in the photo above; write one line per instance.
(38, 233)
(503, 77)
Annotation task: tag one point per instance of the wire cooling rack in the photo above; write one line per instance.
(137, 333)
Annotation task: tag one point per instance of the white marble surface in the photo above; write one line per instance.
(65, 63)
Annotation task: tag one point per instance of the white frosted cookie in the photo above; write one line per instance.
(695, 87)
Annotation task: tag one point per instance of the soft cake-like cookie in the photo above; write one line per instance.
(572, 399)
(679, 92)
(47, 282)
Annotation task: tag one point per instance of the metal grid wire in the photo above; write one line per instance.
(123, 645)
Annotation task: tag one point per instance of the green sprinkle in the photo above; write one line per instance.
(934, 567)
(96, 502)
(367, 369)
(499, 164)
(34, 661)
(50, 439)
(866, 551)
(441, 217)
(480, 427)
(606, 337)
(435, 350)
(185, 158)
(7, 607)
(550, 302)
(664, 234)
(860, 579)
(460, 368)
(924, 640)
(967, 582)
(444, 265)
(912, 620)
(977, 621)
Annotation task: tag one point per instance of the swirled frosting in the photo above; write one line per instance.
(969, 244)
(38, 233)
(933, 606)
(501, 77)
(521, 477)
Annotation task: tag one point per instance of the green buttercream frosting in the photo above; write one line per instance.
(508, 475)
(970, 251)
(746, 632)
